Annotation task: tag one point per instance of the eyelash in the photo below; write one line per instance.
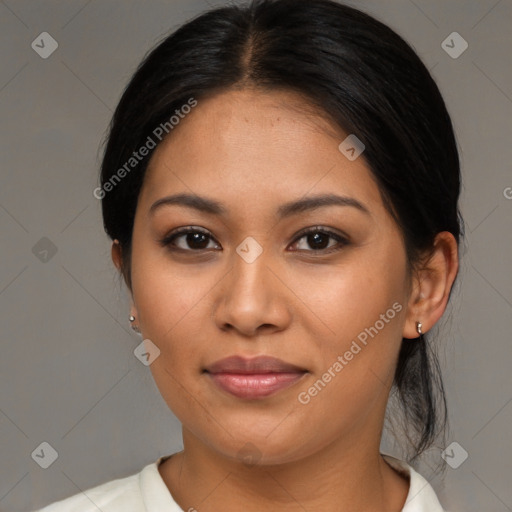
(169, 239)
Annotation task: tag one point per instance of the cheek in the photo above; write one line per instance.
(354, 366)
(167, 303)
(169, 307)
(348, 298)
(361, 305)
(171, 314)
(162, 290)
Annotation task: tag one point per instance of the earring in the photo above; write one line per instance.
(134, 327)
(418, 328)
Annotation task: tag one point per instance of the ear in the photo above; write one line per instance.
(117, 257)
(431, 286)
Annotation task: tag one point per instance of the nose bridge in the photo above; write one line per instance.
(250, 273)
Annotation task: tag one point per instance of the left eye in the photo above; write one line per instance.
(318, 239)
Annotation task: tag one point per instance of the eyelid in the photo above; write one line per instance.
(167, 239)
(322, 229)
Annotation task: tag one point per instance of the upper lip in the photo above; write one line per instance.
(255, 365)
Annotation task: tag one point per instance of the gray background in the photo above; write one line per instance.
(68, 373)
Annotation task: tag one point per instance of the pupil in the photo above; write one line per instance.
(194, 240)
(314, 239)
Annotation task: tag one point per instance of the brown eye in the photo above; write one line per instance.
(190, 239)
(318, 239)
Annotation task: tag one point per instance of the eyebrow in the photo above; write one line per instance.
(212, 207)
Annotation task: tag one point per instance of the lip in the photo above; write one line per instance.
(254, 378)
(253, 365)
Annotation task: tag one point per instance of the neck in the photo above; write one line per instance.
(344, 475)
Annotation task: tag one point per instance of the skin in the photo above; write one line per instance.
(254, 151)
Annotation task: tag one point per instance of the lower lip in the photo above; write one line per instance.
(255, 386)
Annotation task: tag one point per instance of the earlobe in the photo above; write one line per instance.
(432, 285)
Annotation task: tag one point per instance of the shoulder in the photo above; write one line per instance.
(128, 494)
(115, 495)
(421, 496)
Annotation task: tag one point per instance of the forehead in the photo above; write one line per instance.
(255, 147)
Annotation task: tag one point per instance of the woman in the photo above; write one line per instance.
(280, 184)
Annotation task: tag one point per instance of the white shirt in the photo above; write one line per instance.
(146, 492)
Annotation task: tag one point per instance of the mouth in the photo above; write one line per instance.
(254, 378)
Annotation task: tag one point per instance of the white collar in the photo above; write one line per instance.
(420, 498)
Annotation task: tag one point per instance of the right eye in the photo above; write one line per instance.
(193, 239)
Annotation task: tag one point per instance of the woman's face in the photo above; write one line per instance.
(248, 282)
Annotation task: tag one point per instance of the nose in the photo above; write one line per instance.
(252, 299)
